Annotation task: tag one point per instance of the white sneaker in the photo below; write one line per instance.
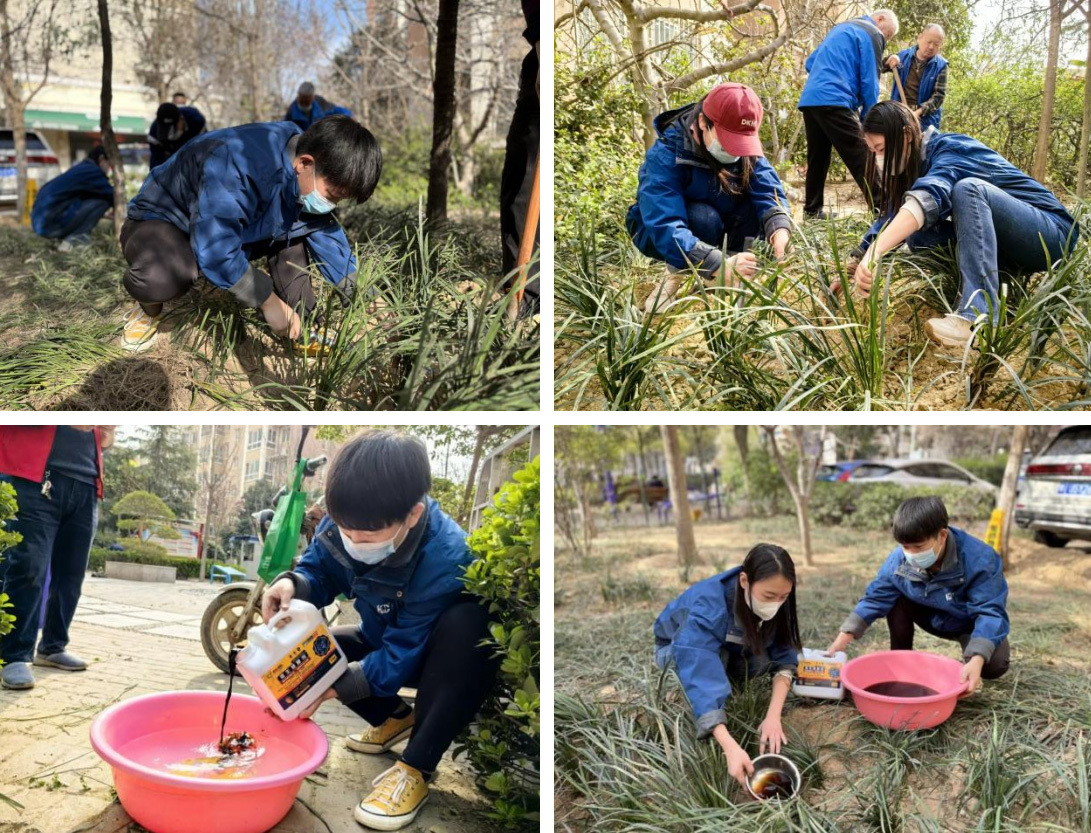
(140, 330)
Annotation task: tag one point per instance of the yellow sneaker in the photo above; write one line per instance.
(381, 738)
(399, 794)
(140, 330)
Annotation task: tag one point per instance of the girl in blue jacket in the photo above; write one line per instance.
(705, 188)
(944, 581)
(728, 628)
(388, 546)
(944, 187)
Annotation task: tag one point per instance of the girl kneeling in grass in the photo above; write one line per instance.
(705, 187)
(728, 628)
(938, 188)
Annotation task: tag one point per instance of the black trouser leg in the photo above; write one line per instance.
(905, 615)
(457, 677)
(819, 151)
(162, 265)
(517, 177)
(844, 131)
(291, 280)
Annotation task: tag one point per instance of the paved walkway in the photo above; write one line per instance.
(142, 638)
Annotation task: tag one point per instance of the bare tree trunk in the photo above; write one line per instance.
(676, 479)
(1049, 93)
(471, 481)
(109, 141)
(801, 485)
(443, 113)
(642, 475)
(1085, 129)
(742, 440)
(1008, 487)
(210, 500)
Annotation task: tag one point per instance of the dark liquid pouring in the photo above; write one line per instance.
(896, 689)
(232, 659)
(772, 783)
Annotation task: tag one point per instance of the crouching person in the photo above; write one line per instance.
(260, 191)
(388, 546)
(944, 581)
(70, 205)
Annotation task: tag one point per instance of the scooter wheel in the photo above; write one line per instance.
(220, 617)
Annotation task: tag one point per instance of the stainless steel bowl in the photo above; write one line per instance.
(773, 765)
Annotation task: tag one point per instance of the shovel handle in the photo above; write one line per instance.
(526, 245)
(898, 84)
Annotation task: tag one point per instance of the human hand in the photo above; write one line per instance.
(779, 243)
(282, 319)
(893, 62)
(841, 643)
(277, 598)
(863, 278)
(744, 264)
(772, 737)
(739, 764)
(971, 673)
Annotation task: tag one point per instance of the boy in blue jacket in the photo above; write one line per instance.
(842, 85)
(240, 194)
(172, 128)
(69, 205)
(388, 546)
(944, 581)
(705, 188)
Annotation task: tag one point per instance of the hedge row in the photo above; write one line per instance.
(152, 554)
(872, 506)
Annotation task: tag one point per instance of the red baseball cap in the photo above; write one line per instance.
(736, 112)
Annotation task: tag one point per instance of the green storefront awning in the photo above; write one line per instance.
(83, 122)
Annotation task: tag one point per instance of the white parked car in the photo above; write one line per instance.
(918, 473)
(42, 163)
(1055, 499)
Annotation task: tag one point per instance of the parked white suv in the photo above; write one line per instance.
(42, 163)
(1055, 499)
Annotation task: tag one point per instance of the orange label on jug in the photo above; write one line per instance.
(303, 667)
(819, 673)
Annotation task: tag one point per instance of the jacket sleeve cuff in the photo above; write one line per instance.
(699, 252)
(979, 646)
(253, 288)
(854, 624)
(929, 204)
(709, 721)
(774, 221)
(302, 585)
(352, 686)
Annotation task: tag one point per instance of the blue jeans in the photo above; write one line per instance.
(994, 231)
(74, 222)
(57, 534)
(707, 224)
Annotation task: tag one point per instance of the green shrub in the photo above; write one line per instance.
(153, 554)
(871, 506)
(8, 539)
(987, 468)
(504, 745)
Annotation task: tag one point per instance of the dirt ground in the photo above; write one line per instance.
(605, 605)
(142, 638)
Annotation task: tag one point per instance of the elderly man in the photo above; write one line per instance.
(309, 108)
(842, 84)
(923, 73)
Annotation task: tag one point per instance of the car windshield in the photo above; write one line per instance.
(870, 470)
(7, 141)
(1075, 440)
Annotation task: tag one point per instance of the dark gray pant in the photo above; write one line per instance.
(162, 266)
(906, 614)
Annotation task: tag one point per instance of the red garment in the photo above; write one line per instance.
(24, 451)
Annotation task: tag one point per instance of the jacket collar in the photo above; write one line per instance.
(950, 570)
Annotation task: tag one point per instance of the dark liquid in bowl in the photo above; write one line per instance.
(896, 689)
(772, 783)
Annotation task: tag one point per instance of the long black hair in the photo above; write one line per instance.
(901, 130)
(731, 182)
(762, 562)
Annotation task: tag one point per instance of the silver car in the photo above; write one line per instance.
(42, 163)
(918, 473)
(1055, 499)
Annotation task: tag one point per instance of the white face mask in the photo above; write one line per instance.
(763, 610)
(370, 552)
(880, 160)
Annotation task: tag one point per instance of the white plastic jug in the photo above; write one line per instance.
(819, 675)
(291, 666)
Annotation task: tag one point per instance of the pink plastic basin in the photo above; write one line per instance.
(904, 713)
(140, 737)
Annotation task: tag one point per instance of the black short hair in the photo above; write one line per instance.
(345, 153)
(377, 479)
(168, 113)
(918, 519)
